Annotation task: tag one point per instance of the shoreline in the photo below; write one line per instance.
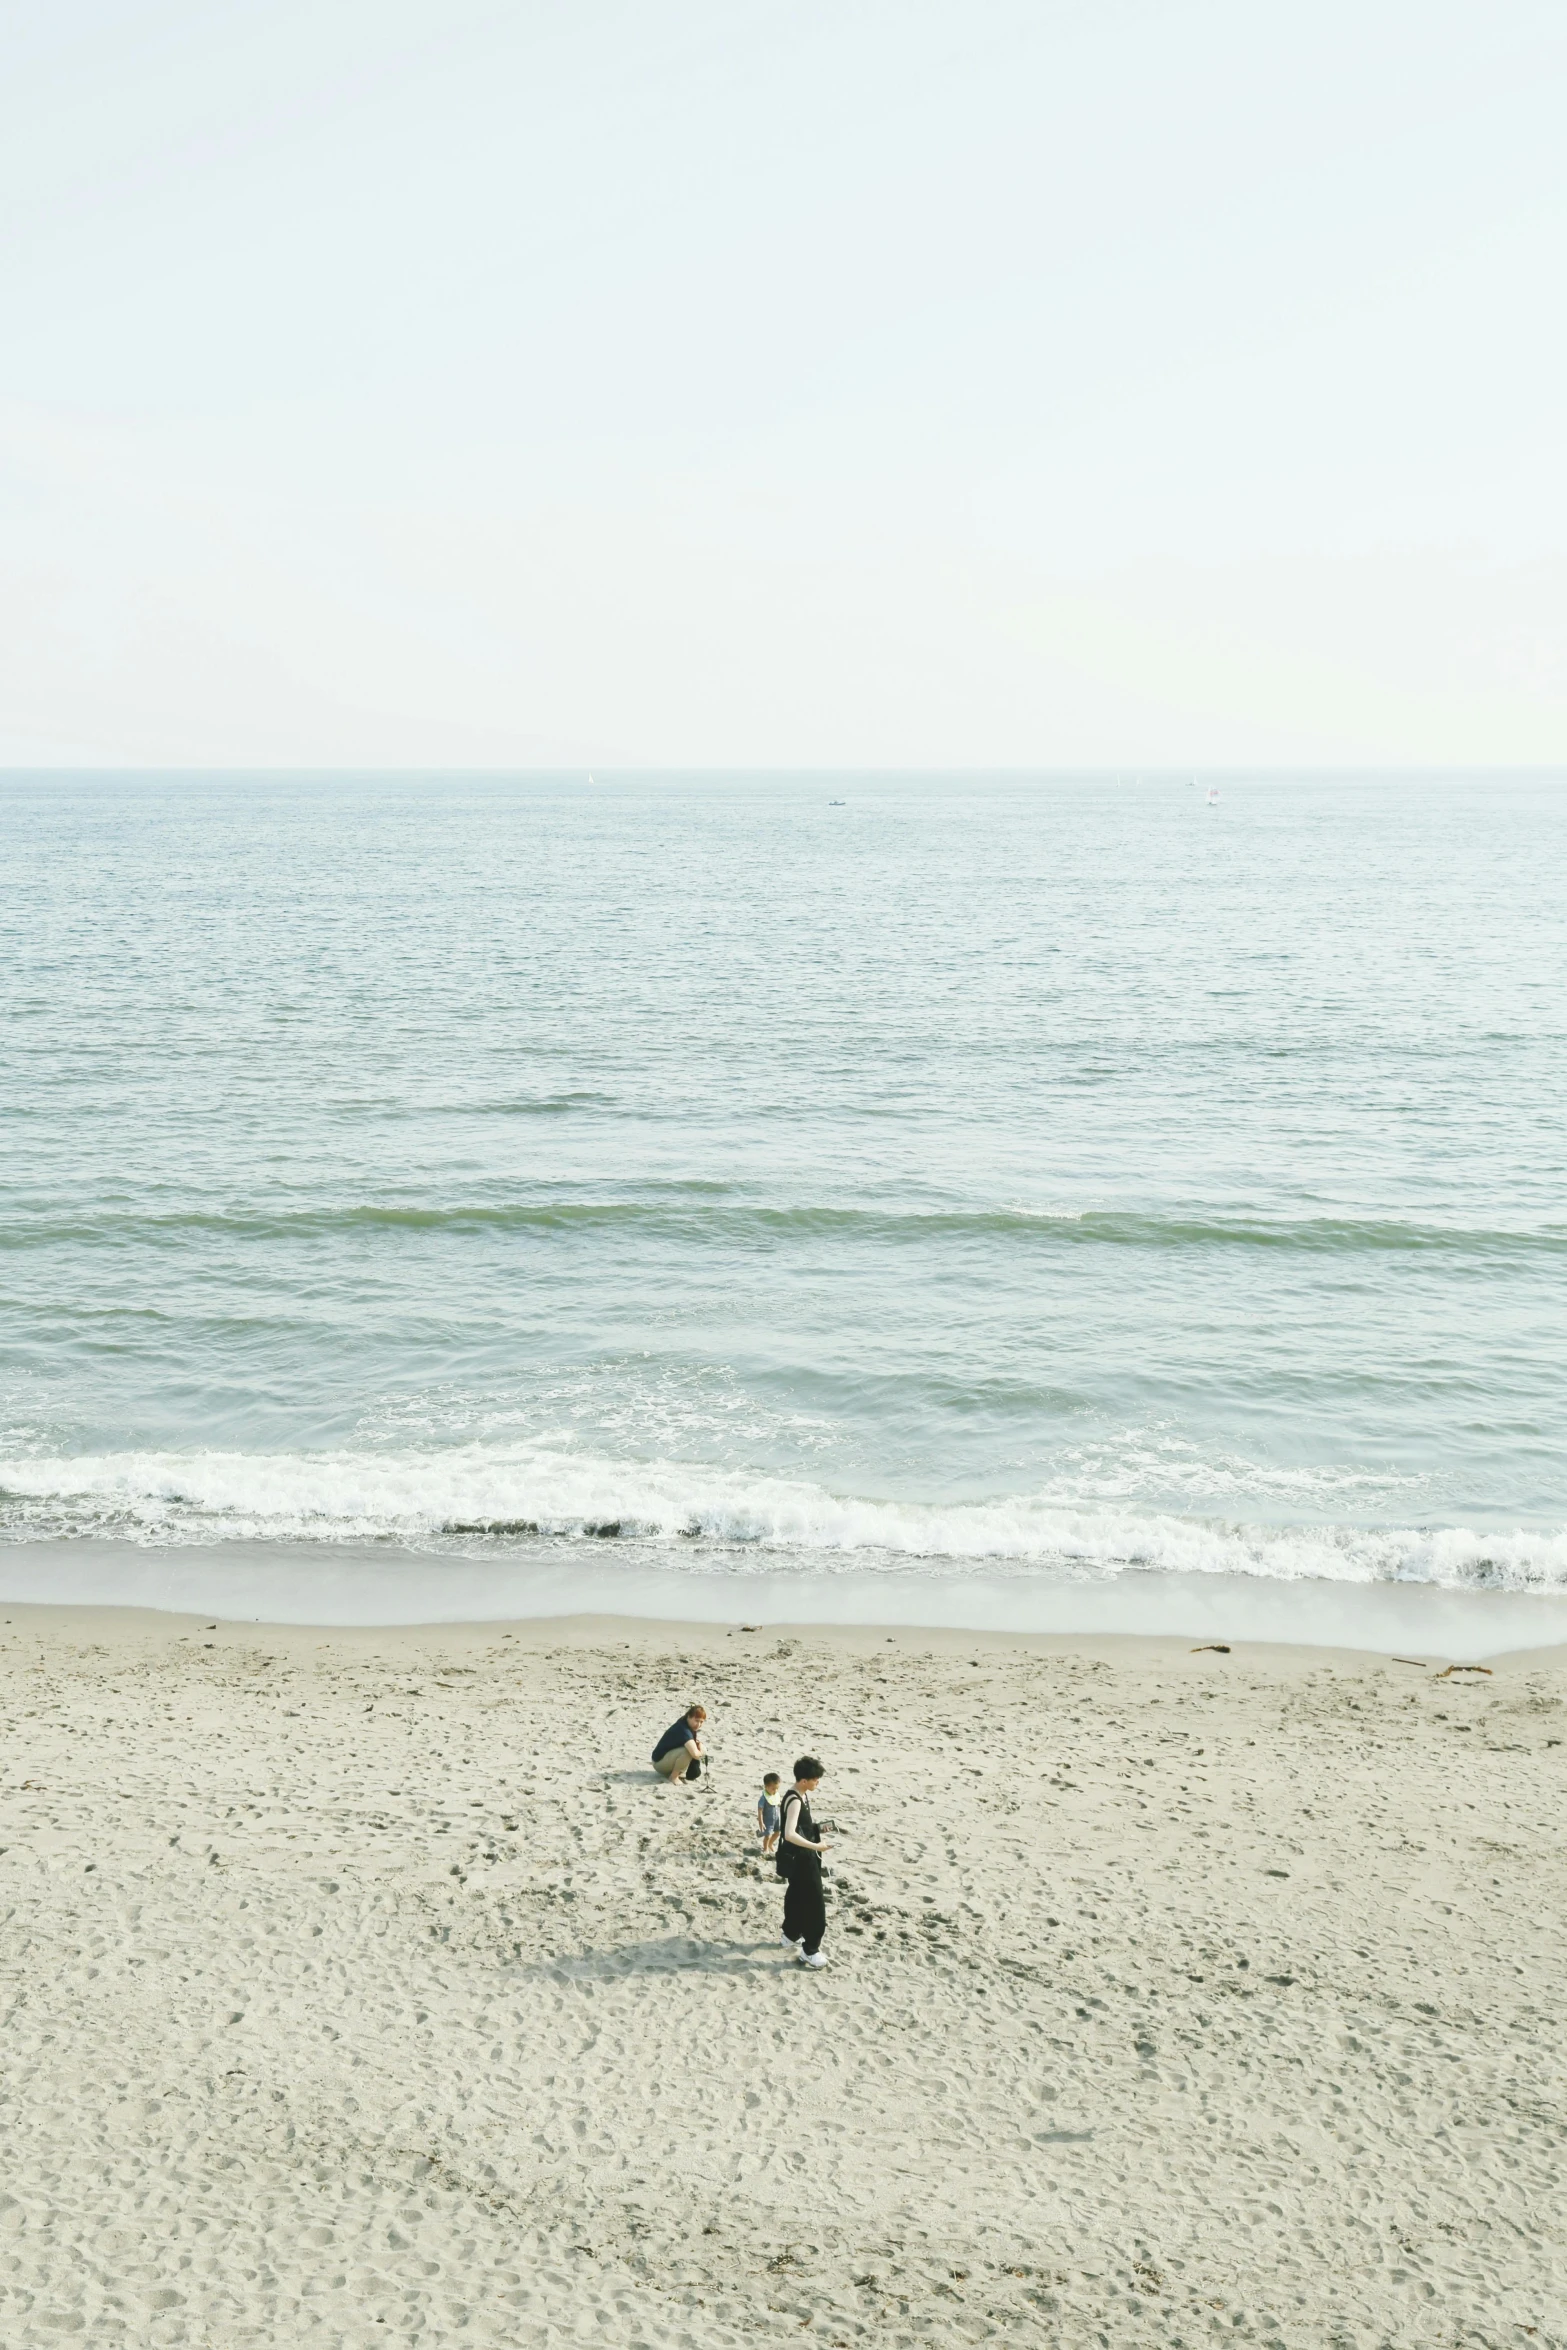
(382, 1586)
(114, 1628)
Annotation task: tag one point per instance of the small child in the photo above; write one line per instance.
(768, 1815)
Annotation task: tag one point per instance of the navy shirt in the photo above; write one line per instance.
(678, 1734)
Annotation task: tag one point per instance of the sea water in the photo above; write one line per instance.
(1042, 1181)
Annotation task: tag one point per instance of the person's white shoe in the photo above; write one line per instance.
(790, 1941)
(816, 1958)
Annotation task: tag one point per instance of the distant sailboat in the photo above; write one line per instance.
(1213, 795)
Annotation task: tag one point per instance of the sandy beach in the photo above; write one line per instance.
(364, 1988)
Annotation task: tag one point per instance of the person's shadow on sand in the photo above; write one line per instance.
(672, 1954)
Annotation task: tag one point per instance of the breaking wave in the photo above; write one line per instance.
(479, 1497)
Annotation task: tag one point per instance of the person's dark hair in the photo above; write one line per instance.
(809, 1768)
(770, 1779)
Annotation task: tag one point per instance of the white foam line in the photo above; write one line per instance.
(209, 1497)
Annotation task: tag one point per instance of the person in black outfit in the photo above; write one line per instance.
(800, 1852)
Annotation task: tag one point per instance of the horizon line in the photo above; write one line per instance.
(1119, 772)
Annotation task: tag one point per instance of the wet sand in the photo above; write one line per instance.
(364, 1987)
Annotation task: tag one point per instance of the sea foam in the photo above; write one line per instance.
(484, 1495)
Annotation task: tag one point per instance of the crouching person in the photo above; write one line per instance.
(679, 1753)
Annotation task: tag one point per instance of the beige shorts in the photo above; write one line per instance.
(673, 1766)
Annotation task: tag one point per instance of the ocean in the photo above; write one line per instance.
(607, 1187)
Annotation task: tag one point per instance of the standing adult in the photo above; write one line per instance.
(800, 1851)
(678, 1754)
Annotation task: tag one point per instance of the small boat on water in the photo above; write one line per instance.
(1213, 795)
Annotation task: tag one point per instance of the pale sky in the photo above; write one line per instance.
(783, 382)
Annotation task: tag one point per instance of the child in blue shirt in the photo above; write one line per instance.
(768, 1816)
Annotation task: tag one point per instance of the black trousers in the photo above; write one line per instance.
(805, 1904)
